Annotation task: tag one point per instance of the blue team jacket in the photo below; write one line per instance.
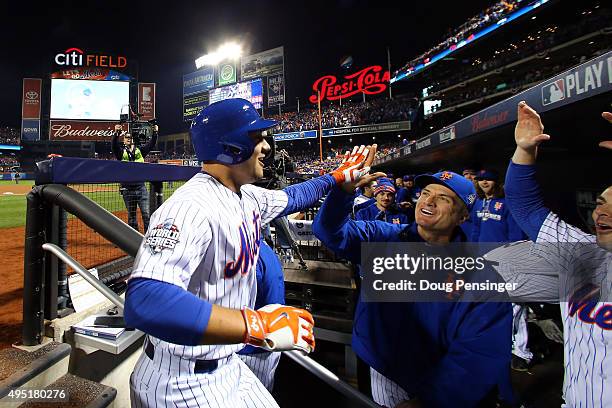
(372, 213)
(408, 194)
(446, 354)
(493, 222)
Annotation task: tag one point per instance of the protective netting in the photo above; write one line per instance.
(92, 250)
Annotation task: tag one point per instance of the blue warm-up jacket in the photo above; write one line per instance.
(493, 222)
(372, 213)
(447, 354)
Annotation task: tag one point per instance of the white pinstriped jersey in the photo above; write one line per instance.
(205, 239)
(568, 259)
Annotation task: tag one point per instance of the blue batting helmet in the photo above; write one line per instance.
(221, 131)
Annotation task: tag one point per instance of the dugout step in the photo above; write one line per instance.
(81, 393)
(36, 367)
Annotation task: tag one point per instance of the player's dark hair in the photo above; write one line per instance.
(498, 190)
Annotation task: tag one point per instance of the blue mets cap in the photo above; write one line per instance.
(409, 177)
(461, 186)
(487, 175)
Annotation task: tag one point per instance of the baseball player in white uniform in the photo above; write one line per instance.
(193, 287)
(564, 265)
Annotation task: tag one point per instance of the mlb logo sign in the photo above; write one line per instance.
(553, 92)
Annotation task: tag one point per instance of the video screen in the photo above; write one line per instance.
(431, 106)
(425, 91)
(83, 99)
(252, 91)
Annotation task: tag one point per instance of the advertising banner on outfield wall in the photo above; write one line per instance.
(85, 131)
(276, 90)
(193, 104)
(30, 104)
(306, 134)
(263, 64)
(199, 81)
(354, 130)
(146, 100)
(30, 129)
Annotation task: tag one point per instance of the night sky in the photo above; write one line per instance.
(165, 40)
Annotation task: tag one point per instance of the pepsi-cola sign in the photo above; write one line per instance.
(371, 80)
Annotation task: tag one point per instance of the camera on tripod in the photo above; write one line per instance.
(141, 130)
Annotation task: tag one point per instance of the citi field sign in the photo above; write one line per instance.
(371, 81)
(75, 57)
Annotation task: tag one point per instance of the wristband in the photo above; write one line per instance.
(255, 331)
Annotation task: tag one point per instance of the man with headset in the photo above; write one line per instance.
(134, 194)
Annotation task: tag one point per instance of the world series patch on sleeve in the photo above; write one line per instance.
(162, 236)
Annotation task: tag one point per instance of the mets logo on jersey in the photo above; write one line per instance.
(498, 205)
(584, 303)
(162, 236)
(249, 249)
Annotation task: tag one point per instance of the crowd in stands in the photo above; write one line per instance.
(7, 163)
(379, 110)
(485, 18)
(306, 162)
(9, 136)
(533, 43)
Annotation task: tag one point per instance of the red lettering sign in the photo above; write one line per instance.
(76, 130)
(76, 57)
(30, 102)
(486, 122)
(371, 80)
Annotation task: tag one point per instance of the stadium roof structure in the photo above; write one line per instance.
(409, 72)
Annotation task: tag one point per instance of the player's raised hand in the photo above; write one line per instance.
(527, 134)
(608, 143)
(355, 165)
(279, 328)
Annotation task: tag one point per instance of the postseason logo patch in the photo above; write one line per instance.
(162, 236)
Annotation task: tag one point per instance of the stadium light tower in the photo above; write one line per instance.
(229, 50)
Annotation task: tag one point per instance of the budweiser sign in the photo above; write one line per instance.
(486, 122)
(371, 80)
(85, 131)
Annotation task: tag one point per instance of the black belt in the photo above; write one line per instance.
(201, 366)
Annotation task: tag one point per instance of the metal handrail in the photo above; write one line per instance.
(308, 363)
(78, 268)
(330, 378)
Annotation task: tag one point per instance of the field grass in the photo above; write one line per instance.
(12, 183)
(12, 211)
(13, 207)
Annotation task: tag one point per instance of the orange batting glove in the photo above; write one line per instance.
(355, 165)
(279, 328)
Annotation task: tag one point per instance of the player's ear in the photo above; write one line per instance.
(464, 215)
